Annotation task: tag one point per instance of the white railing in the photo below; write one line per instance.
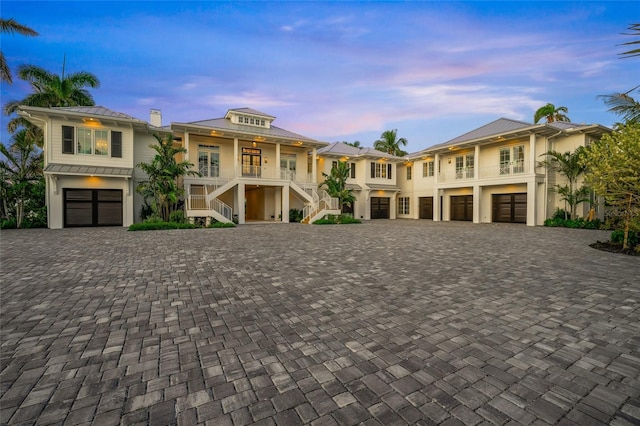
(222, 208)
(505, 169)
(197, 202)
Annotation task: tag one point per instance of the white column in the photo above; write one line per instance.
(186, 147)
(314, 166)
(367, 205)
(278, 160)
(393, 205)
(278, 203)
(240, 201)
(285, 204)
(236, 158)
(531, 202)
(436, 205)
(436, 168)
(532, 153)
(477, 193)
(476, 163)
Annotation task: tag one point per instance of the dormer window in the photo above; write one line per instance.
(252, 121)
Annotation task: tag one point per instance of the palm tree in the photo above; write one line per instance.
(52, 90)
(20, 169)
(390, 143)
(635, 28)
(163, 171)
(10, 26)
(570, 165)
(623, 104)
(551, 113)
(336, 184)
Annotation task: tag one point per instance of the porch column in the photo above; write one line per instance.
(476, 163)
(532, 153)
(186, 146)
(393, 203)
(278, 172)
(477, 193)
(436, 168)
(278, 204)
(314, 166)
(436, 203)
(240, 203)
(285, 204)
(367, 205)
(531, 202)
(236, 159)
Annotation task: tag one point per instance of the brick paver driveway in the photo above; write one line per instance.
(388, 322)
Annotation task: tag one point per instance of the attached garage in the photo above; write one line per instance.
(462, 207)
(380, 207)
(511, 208)
(92, 207)
(426, 207)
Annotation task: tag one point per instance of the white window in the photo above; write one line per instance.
(403, 205)
(408, 172)
(381, 170)
(427, 169)
(84, 144)
(288, 162)
(92, 142)
(464, 166)
(512, 160)
(209, 160)
(101, 142)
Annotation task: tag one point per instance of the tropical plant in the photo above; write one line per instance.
(161, 189)
(336, 184)
(52, 90)
(355, 144)
(569, 165)
(11, 26)
(20, 170)
(613, 172)
(551, 113)
(624, 105)
(390, 143)
(635, 31)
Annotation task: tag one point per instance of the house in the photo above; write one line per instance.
(491, 174)
(250, 170)
(90, 155)
(373, 177)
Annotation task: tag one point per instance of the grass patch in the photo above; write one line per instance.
(337, 220)
(155, 226)
(222, 225)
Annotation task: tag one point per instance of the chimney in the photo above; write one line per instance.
(155, 118)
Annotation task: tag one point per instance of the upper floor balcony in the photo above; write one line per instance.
(216, 175)
(504, 170)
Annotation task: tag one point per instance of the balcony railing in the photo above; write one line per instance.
(500, 170)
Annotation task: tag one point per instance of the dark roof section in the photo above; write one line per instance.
(67, 169)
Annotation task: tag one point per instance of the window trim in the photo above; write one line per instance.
(404, 205)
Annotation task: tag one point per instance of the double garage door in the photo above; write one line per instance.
(92, 207)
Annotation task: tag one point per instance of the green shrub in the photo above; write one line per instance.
(177, 216)
(617, 237)
(332, 219)
(561, 214)
(578, 223)
(295, 215)
(159, 225)
(217, 224)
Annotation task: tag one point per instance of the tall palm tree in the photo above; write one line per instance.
(10, 26)
(624, 105)
(390, 143)
(52, 90)
(570, 165)
(635, 31)
(551, 113)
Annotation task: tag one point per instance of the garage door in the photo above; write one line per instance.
(380, 208)
(462, 207)
(92, 207)
(426, 207)
(510, 208)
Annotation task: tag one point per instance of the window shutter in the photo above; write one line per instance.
(353, 170)
(116, 144)
(389, 171)
(334, 164)
(67, 139)
(373, 170)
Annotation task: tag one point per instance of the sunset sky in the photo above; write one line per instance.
(336, 71)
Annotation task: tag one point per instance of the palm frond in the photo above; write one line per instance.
(635, 28)
(10, 26)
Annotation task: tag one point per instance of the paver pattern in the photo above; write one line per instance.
(384, 323)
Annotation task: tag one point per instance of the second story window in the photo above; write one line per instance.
(427, 169)
(209, 160)
(464, 166)
(87, 141)
(381, 171)
(512, 163)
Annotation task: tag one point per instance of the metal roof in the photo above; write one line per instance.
(249, 111)
(96, 110)
(382, 187)
(68, 169)
(342, 149)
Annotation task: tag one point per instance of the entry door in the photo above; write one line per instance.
(426, 207)
(380, 207)
(462, 207)
(92, 207)
(251, 165)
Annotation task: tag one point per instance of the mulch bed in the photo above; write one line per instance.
(614, 248)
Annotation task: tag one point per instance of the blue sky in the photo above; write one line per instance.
(336, 71)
